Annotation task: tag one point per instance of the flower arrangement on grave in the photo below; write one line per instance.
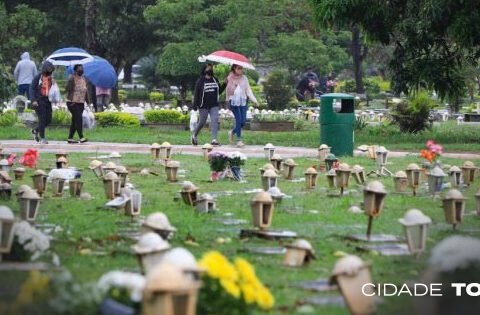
(28, 243)
(29, 158)
(123, 287)
(219, 162)
(233, 286)
(236, 160)
(433, 151)
(57, 293)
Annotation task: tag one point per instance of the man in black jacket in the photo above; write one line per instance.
(39, 90)
(207, 91)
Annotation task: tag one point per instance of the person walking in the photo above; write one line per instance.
(39, 91)
(238, 93)
(103, 97)
(24, 73)
(77, 95)
(207, 91)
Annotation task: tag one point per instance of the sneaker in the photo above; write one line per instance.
(83, 140)
(72, 141)
(230, 136)
(240, 144)
(43, 141)
(215, 143)
(35, 135)
(194, 140)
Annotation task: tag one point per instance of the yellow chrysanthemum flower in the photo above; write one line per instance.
(231, 287)
(265, 299)
(246, 271)
(248, 293)
(218, 266)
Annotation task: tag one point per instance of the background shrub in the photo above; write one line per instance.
(138, 94)
(61, 117)
(156, 96)
(165, 116)
(122, 95)
(277, 90)
(109, 119)
(414, 115)
(8, 118)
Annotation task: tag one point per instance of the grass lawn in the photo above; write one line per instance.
(452, 136)
(89, 245)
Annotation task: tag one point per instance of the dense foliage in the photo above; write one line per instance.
(110, 119)
(165, 116)
(277, 90)
(414, 115)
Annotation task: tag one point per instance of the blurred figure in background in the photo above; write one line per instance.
(24, 73)
(103, 98)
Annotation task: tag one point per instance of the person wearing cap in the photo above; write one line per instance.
(39, 90)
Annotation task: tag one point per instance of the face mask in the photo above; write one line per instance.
(209, 72)
(80, 72)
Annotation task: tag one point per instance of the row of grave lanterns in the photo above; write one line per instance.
(374, 194)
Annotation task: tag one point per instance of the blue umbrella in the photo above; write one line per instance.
(99, 72)
(69, 56)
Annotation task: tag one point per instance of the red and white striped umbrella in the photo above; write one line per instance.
(228, 58)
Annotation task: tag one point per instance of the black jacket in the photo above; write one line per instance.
(198, 94)
(35, 86)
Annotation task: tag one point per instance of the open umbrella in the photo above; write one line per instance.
(229, 58)
(69, 56)
(99, 72)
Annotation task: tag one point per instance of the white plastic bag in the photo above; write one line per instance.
(237, 96)
(193, 120)
(54, 95)
(88, 118)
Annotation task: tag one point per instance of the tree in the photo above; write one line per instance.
(332, 13)
(308, 52)
(19, 31)
(121, 33)
(277, 89)
(433, 40)
(177, 63)
(148, 72)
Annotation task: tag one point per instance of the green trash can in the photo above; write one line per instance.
(337, 117)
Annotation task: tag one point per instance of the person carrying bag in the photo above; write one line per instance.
(77, 95)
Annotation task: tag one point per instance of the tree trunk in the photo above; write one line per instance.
(357, 56)
(91, 41)
(127, 72)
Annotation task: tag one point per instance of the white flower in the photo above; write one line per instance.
(32, 239)
(236, 154)
(455, 252)
(134, 283)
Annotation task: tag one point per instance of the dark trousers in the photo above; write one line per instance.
(77, 121)
(240, 114)
(24, 90)
(44, 113)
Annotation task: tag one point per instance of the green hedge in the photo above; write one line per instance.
(108, 119)
(165, 116)
(61, 117)
(9, 118)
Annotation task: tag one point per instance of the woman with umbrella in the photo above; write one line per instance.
(238, 88)
(77, 94)
(238, 93)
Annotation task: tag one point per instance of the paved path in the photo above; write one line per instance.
(249, 150)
